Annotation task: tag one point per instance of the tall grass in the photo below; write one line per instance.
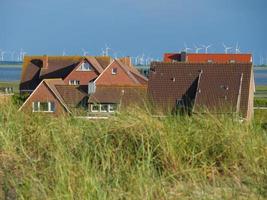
(131, 155)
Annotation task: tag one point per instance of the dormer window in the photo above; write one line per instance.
(232, 61)
(210, 61)
(85, 67)
(114, 71)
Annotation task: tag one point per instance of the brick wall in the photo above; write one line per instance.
(44, 94)
(120, 78)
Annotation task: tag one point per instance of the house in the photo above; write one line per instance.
(54, 96)
(207, 57)
(73, 70)
(118, 85)
(197, 87)
(62, 84)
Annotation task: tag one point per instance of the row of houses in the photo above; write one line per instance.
(221, 83)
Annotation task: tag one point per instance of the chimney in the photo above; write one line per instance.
(183, 56)
(126, 60)
(45, 61)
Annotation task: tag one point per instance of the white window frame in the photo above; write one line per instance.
(83, 69)
(38, 107)
(114, 71)
(92, 110)
(109, 106)
(74, 82)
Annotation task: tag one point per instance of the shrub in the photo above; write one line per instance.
(260, 102)
(18, 99)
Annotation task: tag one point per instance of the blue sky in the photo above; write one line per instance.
(132, 27)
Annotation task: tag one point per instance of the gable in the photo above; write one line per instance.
(84, 72)
(43, 94)
(85, 66)
(116, 74)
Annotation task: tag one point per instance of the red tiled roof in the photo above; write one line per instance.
(204, 58)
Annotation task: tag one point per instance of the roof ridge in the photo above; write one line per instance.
(127, 70)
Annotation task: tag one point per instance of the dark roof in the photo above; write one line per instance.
(34, 69)
(206, 85)
(71, 95)
(117, 94)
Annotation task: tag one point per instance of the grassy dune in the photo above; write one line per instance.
(131, 156)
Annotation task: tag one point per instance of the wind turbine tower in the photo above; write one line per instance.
(226, 48)
(2, 53)
(197, 48)
(85, 53)
(237, 49)
(206, 47)
(186, 49)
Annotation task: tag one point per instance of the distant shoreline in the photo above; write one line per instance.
(10, 65)
(260, 68)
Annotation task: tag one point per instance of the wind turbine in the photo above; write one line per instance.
(142, 59)
(21, 54)
(226, 48)
(107, 48)
(186, 48)
(85, 53)
(12, 53)
(206, 47)
(2, 54)
(197, 48)
(237, 49)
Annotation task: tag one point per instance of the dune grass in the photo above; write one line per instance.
(131, 155)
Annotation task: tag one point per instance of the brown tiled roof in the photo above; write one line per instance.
(104, 60)
(34, 69)
(120, 95)
(71, 95)
(95, 63)
(52, 83)
(208, 85)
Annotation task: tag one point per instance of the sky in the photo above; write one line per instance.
(132, 27)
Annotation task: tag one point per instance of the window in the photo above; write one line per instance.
(43, 106)
(74, 82)
(112, 107)
(95, 107)
(210, 61)
(232, 61)
(104, 108)
(35, 106)
(85, 67)
(114, 71)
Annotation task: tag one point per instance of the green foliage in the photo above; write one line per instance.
(260, 102)
(131, 155)
(19, 99)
